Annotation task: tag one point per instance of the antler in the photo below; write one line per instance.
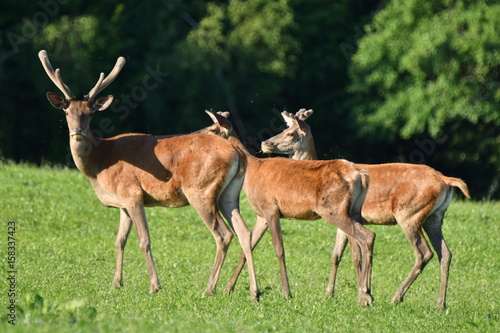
(102, 83)
(289, 118)
(303, 114)
(54, 76)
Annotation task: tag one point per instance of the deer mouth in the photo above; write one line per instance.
(267, 148)
(77, 135)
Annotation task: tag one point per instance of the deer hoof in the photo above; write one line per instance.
(441, 306)
(117, 284)
(228, 289)
(255, 297)
(397, 299)
(154, 289)
(329, 293)
(365, 299)
(208, 293)
(287, 295)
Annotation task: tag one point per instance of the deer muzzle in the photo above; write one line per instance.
(77, 135)
(267, 148)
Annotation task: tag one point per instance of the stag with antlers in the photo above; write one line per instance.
(131, 171)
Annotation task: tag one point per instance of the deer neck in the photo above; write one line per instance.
(233, 138)
(84, 152)
(306, 152)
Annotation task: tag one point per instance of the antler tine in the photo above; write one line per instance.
(94, 91)
(303, 114)
(225, 114)
(102, 83)
(287, 114)
(54, 76)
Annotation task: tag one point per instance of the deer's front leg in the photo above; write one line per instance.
(338, 250)
(120, 242)
(138, 215)
(273, 221)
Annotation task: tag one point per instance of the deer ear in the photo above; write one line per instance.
(220, 118)
(57, 101)
(223, 121)
(303, 127)
(103, 103)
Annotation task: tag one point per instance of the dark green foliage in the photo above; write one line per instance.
(422, 84)
(430, 70)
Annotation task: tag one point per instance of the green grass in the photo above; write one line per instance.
(65, 263)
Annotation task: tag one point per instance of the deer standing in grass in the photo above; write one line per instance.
(131, 171)
(304, 190)
(414, 196)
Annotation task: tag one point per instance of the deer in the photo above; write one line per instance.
(133, 171)
(413, 196)
(303, 190)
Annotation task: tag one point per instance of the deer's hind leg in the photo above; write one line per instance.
(222, 236)
(230, 207)
(257, 233)
(432, 227)
(423, 255)
(365, 239)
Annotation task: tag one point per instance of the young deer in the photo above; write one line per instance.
(131, 171)
(304, 190)
(414, 196)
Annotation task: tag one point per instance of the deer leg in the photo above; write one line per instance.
(229, 203)
(338, 250)
(356, 257)
(275, 229)
(138, 215)
(365, 238)
(120, 242)
(223, 237)
(422, 256)
(433, 229)
(257, 233)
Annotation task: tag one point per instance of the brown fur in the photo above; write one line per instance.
(131, 171)
(307, 190)
(414, 196)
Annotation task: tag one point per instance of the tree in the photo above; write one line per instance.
(430, 70)
(238, 57)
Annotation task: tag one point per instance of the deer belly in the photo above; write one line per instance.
(171, 198)
(298, 214)
(377, 214)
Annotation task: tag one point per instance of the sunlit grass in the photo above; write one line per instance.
(65, 260)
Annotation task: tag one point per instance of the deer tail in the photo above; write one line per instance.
(457, 182)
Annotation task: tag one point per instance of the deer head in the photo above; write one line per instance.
(291, 139)
(221, 127)
(79, 112)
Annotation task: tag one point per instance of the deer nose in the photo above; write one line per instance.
(266, 147)
(77, 134)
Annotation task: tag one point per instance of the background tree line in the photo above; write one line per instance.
(413, 81)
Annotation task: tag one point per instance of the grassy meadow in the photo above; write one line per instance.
(65, 257)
